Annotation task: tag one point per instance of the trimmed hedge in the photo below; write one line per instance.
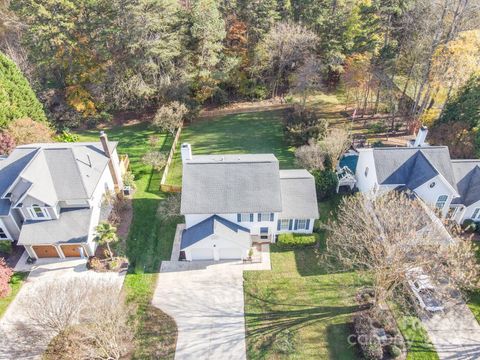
(297, 240)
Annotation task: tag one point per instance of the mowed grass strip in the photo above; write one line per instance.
(252, 133)
(149, 240)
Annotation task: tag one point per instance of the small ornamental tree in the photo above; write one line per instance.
(5, 274)
(169, 117)
(27, 131)
(170, 207)
(106, 234)
(7, 143)
(155, 159)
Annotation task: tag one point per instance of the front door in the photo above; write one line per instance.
(264, 233)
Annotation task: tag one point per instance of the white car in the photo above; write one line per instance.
(424, 290)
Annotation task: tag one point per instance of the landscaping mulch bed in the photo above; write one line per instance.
(13, 257)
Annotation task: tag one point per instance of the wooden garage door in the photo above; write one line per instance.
(45, 251)
(71, 250)
(202, 254)
(230, 253)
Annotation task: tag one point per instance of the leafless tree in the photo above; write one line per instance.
(337, 141)
(90, 310)
(155, 159)
(169, 117)
(170, 207)
(390, 236)
(284, 48)
(307, 78)
(310, 156)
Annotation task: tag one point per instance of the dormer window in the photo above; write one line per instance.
(38, 212)
(8, 195)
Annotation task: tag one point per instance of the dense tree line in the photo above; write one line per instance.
(89, 58)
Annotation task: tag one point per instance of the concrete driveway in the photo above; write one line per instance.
(206, 301)
(455, 334)
(19, 339)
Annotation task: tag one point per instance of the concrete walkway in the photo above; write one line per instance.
(455, 334)
(21, 340)
(206, 300)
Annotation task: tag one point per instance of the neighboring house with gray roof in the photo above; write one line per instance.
(51, 195)
(231, 200)
(452, 186)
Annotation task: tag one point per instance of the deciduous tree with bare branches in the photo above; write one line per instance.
(390, 236)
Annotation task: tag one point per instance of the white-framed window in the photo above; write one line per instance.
(3, 234)
(284, 224)
(38, 212)
(301, 224)
(441, 201)
(476, 214)
(265, 216)
(246, 217)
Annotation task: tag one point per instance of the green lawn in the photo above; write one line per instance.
(256, 132)
(298, 310)
(149, 240)
(15, 283)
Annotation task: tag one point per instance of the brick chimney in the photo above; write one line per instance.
(113, 163)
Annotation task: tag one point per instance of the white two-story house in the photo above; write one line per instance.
(452, 186)
(231, 200)
(51, 195)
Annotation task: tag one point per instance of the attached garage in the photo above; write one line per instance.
(72, 250)
(230, 253)
(46, 251)
(215, 239)
(201, 254)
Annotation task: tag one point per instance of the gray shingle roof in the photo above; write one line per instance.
(223, 184)
(467, 174)
(72, 227)
(299, 197)
(11, 167)
(55, 171)
(413, 166)
(206, 228)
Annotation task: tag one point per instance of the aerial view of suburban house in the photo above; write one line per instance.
(230, 201)
(452, 186)
(51, 195)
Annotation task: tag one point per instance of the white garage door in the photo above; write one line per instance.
(230, 253)
(202, 254)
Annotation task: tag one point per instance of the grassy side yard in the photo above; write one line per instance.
(149, 241)
(298, 311)
(15, 283)
(256, 132)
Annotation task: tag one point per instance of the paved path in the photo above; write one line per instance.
(206, 300)
(456, 334)
(19, 339)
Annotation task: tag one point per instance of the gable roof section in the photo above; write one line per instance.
(413, 166)
(467, 174)
(224, 184)
(299, 197)
(55, 171)
(206, 228)
(13, 165)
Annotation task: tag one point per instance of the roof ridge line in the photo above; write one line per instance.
(75, 161)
